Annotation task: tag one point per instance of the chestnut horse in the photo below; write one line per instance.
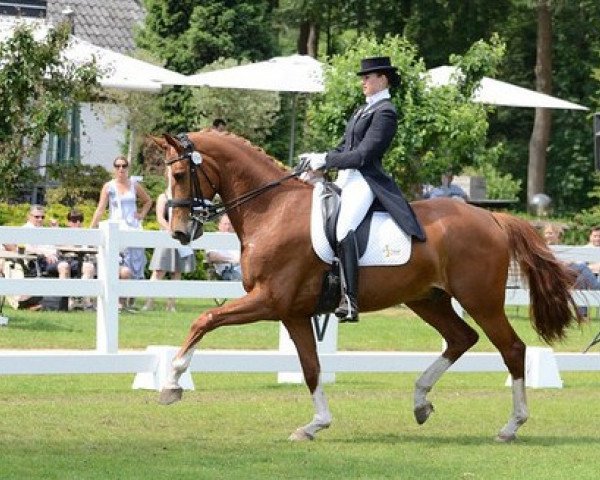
(466, 256)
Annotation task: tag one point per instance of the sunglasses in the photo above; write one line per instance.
(39, 216)
(121, 165)
(78, 219)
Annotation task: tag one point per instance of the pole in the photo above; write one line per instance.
(292, 130)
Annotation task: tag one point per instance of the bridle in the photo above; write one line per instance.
(201, 209)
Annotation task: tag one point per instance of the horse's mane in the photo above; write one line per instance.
(247, 143)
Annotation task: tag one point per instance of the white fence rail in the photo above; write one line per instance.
(108, 358)
(567, 253)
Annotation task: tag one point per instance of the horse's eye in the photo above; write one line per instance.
(178, 176)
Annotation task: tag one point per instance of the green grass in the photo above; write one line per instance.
(235, 426)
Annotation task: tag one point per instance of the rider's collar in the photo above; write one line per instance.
(385, 93)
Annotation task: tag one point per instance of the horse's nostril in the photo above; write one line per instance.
(182, 237)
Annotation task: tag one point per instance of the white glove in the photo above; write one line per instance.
(316, 160)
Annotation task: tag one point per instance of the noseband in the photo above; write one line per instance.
(202, 210)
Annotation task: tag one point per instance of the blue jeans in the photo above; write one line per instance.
(231, 272)
(586, 280)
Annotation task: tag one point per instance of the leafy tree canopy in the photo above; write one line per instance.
(37, 89)
(188, 34)
(250, 115)
(437, 127)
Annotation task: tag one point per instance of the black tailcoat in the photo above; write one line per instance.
(368, 135)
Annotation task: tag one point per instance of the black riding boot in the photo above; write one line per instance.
(347, 311)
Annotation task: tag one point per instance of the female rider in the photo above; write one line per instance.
(361, 177)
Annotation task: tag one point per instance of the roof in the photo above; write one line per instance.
(105, 23)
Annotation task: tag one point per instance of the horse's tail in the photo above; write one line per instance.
(550, 281)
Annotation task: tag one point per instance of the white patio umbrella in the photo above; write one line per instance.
(294, 73)
(121, 71)
(116, 70)
(496, 92)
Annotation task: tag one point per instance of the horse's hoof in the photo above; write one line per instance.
(422, 412)
(505, 437)
(300, 436)
(170, 395)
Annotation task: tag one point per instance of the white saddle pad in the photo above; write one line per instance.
(387, 245)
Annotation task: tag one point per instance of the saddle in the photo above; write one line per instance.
(386, 245)
(330, 209)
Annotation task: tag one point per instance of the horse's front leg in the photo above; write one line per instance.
(301, 333)
(248, 309)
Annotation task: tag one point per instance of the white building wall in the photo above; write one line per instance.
(103, 134)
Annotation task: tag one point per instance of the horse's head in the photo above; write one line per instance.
(189, 186)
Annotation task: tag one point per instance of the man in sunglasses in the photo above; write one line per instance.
(49, 262)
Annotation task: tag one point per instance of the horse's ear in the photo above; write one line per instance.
(174, 142)
(160, 142)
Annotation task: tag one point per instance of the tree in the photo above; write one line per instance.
(437, 127)
(540, 136)
(37, 89)
(575, 54)
(77, 184)
(250, 114)
(189, 34)
(441, 28)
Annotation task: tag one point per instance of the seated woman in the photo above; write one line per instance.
(586, 279)
(225, 262)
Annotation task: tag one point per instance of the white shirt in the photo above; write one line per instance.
(376, 97)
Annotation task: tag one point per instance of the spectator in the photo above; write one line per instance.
(14, 268)
(8, 247)
(552, 234)
(75, 219)
(175, 261)
(85, 266)
(121, 195)
(446, 189)
(594, 241)
(49, 262)
(586, 279)
(225, 262)
(219, 125)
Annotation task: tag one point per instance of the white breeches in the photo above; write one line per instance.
(357, 198)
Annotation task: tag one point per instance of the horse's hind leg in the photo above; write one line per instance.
(301, 333)
(459, 338)
(496, 326)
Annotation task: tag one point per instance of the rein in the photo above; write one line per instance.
(202, 210)
(246, 197)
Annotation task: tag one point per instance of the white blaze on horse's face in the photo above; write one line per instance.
(177, 180)
(170, 196)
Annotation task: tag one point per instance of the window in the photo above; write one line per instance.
(24, 8)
